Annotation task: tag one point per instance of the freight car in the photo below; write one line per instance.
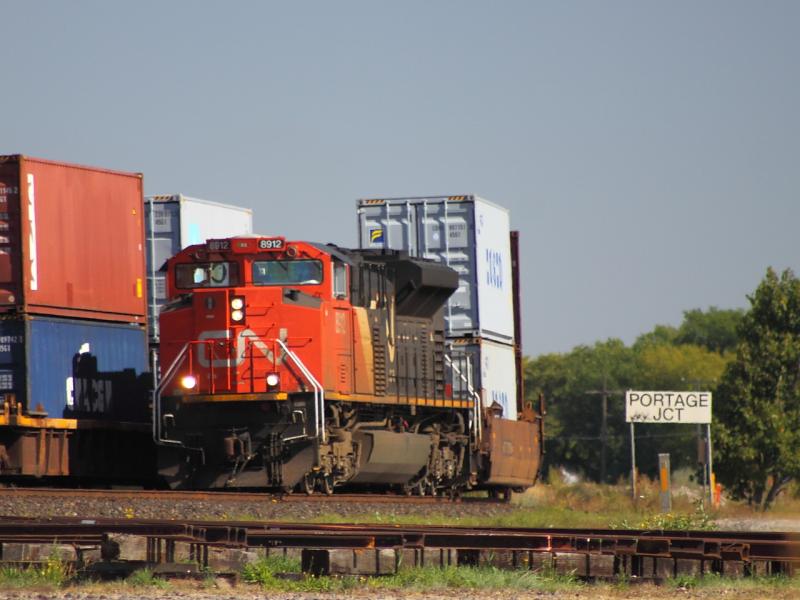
(295, 365)
(73, 344)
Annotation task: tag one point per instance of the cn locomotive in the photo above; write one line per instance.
(301, 366)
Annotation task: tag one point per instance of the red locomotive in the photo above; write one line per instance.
(298, 365)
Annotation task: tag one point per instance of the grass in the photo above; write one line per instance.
(53, 573)
(716, 583)
(143, 578)
(475, 578)
(265, 573)
(585, 505)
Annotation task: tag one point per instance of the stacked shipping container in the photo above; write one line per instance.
(472, 236)
(72, 298)
(174, 221)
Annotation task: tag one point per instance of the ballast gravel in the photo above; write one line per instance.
(270, 509)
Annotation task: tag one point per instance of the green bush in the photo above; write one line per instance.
(52, 573)
(145, 578)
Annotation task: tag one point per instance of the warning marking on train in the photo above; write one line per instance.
(667, 407)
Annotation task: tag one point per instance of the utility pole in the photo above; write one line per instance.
(604, 394)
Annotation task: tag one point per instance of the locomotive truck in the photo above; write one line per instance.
(293, 365)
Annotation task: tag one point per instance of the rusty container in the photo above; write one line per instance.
(516, 452)
(71, 241)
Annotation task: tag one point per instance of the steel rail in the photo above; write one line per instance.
(781, 550)
(231, 496)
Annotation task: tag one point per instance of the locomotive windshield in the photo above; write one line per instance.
(216, 274)
(287, 272)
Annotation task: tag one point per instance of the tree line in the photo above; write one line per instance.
(749, 359)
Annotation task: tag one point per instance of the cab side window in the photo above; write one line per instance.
(339, 279)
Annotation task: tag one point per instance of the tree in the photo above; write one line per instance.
(679, 367)
(714, 329)
(574, 416)
(757, 404)
(571, 384)
(661, 334)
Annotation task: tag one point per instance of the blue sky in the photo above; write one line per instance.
(648, 151)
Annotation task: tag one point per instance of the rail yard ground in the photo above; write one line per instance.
(555, 505)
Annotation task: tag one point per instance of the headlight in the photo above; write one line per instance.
(273, 380)
(237, 304)
(237, 315)
(188, 382)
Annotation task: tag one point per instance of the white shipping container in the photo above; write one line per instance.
(469, 234)
(492, 372)
(175, 221)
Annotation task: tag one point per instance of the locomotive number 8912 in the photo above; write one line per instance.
(295, 365)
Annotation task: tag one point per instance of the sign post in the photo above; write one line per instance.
(668, 407)
(665, 477)
(712, 481)
(633, 462)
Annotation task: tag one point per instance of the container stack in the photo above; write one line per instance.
(175, 221)
(73, 312)
(472, 236)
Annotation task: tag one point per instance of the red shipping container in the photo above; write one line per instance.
(71, 241)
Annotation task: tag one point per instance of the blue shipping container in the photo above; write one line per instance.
(73, 368)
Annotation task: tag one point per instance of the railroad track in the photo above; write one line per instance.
(376, 549)
(223, 496)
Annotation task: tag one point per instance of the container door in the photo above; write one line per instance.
(493, 270)
(389, 225)
(10, 259)
(445, 233)
(162, 230)
(13, 360)
(498, 377)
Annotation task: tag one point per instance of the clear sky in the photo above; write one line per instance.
(648, 151)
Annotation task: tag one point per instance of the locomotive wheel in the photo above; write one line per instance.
(327, 484)
(420, 488)
(309, 482)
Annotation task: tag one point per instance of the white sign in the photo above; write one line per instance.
(667, 407)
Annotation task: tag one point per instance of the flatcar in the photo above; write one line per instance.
(293, 365)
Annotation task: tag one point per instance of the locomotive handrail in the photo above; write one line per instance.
(173, 367)
(476, 398)
(319, 392)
